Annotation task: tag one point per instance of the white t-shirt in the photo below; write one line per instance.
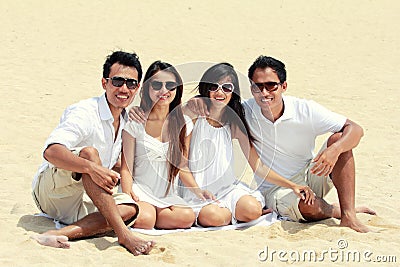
(88, 123)
(287, 145)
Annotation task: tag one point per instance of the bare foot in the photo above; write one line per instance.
(136, 245)
(364, 209)
(266, 211)
(55, 241)
(354, 224)
(360, 209)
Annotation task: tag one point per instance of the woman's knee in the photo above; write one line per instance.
(248, 208)
(186, 217)
(175, 218)
(147, 217)
(127, 211)
(214, 216)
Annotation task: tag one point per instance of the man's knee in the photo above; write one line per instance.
(334, 138)
(316, 211)
(89, 153)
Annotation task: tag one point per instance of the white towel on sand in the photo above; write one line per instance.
(264, 220)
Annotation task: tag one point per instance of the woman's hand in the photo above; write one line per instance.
(305, 193)
(204, 194)
(133, 195)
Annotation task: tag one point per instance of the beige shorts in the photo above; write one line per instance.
(59, 194)
(286, 203)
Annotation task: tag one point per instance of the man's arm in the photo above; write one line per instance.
(63, 158)
(326, 160)
(351, 136)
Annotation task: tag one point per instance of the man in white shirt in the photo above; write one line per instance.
(286, 129)
(76, 183)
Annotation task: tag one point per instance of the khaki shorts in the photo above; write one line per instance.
(59, 194)
(286, 203)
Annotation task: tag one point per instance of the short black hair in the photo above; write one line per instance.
(263, 62)
(123, 58)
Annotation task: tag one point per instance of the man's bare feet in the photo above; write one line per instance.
(364, 209)
(55, 241)
(359, 209)
(354, 224)
(136, 245)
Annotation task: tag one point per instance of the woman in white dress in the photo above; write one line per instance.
(211, 155)
(152, 152)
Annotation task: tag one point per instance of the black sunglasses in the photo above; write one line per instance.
(120, 81)
(269, 86)
(157, 85)
(226, 87)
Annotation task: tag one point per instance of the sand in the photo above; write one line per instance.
(342, 54)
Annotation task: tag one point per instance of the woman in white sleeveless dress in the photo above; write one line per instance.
(211, 155)
(152, 152)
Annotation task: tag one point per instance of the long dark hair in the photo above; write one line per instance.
(176, 122)
(213, 75)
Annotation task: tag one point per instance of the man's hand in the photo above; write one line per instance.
(105, 178)
(137, 114)
(197, 106)
(325, 161)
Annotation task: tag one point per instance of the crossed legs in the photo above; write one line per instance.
(343, 177)
(109, 217)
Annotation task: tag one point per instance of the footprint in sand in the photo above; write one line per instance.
(166, 255)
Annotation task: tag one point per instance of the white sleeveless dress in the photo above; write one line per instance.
(150, 171)
(211, 162)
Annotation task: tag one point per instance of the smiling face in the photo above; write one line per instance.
(119, 98)
(221, 98)
(163, 96)
(270, 102)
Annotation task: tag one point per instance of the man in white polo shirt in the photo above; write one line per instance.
(76, 183)
(286, 129)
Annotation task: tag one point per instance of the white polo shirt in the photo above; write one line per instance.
(88, 123)
(287, 145)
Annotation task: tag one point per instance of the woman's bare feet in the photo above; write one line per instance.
(55, 241)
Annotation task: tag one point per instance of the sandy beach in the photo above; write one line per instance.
(342, 54)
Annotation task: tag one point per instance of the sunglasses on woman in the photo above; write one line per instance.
(226, 87)
(157, 85)
(120, 81)
(269, 86)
